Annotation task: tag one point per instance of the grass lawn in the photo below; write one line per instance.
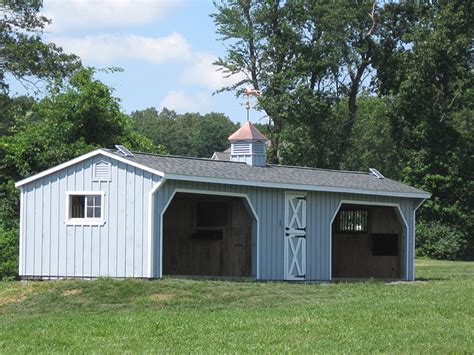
(433, 314)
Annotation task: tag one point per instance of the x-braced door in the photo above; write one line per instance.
(295, 236)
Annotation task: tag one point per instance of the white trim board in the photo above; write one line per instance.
(21, 233)
(217, 193)
(368, 203)
(417, 206)
(84, 157)
(151, 224)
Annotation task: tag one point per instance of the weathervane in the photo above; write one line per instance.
(250, 92)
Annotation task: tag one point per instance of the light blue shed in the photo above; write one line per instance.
(113, 213)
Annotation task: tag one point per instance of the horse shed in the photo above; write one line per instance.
(114, 213)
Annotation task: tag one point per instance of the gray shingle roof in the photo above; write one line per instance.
(278, 175)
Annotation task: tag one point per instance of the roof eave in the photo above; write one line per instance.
(421, 194)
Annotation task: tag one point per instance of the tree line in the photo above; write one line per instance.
(346, 85)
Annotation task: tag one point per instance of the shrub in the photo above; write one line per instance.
(439, 241)
(8, 253)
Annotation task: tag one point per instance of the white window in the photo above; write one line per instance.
(85, 207)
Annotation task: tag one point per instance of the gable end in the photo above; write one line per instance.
(82, 158)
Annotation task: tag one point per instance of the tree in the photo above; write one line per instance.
(23, 54)
(190, 134)
(371, 144)
(304, 56)
(431, 114)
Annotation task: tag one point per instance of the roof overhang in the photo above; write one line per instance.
(303, 187)
(82, 158)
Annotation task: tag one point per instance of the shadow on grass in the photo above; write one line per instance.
(428, 279)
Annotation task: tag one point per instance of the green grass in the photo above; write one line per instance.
(434, 314)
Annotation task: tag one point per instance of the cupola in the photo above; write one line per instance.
(247, 145)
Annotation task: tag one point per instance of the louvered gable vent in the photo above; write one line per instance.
(102, 171)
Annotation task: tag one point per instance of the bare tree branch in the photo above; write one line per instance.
(372, 17)
(449, 106)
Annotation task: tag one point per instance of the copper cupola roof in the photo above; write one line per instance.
(247, 132)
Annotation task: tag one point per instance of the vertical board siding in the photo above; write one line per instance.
(50, 248)
(269, 207)
(119, 248)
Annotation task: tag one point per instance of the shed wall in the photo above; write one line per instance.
(269, 206)
(119, 248)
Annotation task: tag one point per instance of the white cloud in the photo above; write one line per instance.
(110, 48)
(203, 73)
(182, 102)
(93, 14)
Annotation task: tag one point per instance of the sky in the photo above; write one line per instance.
(165, 47)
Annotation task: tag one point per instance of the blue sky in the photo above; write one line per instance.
(165, 47)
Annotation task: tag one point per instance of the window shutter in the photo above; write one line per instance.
(102, 171)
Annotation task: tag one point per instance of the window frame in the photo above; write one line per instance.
(352, 209)
(85, 221)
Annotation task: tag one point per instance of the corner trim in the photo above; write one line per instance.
(21, 234)
(417, 206)
(151, 224)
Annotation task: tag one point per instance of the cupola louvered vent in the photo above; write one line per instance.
(258, 148)
(241, 148)
(102, 171)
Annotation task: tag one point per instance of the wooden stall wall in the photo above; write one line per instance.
(191, 249)
(352, 253)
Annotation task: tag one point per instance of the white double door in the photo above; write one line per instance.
(295, 236)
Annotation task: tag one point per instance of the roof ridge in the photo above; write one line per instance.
(238, 162)
(187, 157)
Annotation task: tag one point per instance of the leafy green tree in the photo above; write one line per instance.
(190, 134)
(431, 112)
(304, 56)
(371, 144)
(23, 53)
